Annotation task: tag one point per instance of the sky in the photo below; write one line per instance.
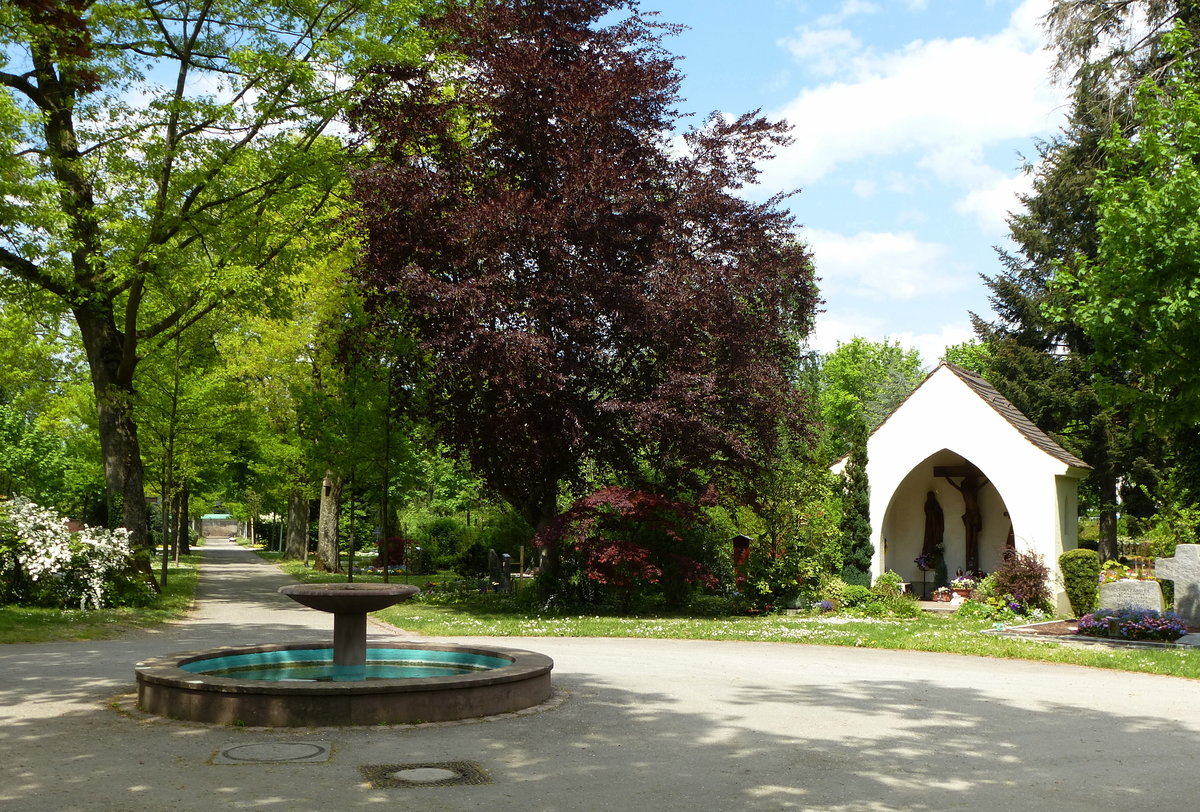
(912, 122)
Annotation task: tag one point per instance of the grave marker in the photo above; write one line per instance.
(1184, 570)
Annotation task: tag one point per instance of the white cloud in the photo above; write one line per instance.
(881, 266)
(865, 188)
(823, 50)
(849, 8)
(933, 345)
(991, 203)
(941, 101)
(839, 328)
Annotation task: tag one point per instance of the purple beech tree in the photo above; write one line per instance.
(594, 301)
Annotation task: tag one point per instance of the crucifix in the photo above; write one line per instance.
(972, 483)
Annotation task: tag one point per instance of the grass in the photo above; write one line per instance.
(469, 614)
(492, 616)
(474, 615)
(20, 624)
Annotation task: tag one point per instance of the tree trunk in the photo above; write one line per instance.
(111, 360)
(183, 538)
(328, 559)
(538, 512)
(1107, 487)
(297, 529)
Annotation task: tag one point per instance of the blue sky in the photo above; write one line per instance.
(911, 118)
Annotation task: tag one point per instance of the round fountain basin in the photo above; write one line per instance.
(484, 682)
(315, 665)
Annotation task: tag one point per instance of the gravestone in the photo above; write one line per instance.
(494, 574)
(1130, 593)
(1184, 570)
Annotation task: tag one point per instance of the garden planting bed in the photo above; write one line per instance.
(1063, 631)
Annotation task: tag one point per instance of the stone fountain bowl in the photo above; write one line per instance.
(350, 599)
(175, 686)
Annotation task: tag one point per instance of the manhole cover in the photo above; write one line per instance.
(273, 753)
(427, 774)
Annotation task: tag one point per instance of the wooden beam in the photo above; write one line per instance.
(966, 469)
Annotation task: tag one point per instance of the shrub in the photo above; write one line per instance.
(986, 589)
(833, 589)
(1024, 579)
(1081, 578)
(1132, 624)
(857, 596)
(902, 606)
(625, 544)
(888, 585)
(875, 608)
(44, 564)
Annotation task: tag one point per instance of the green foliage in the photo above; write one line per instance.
(888, 585)
(860, 382)
(856, 596)
(973, 355)
(833, 589)
(857, 550)
(1081, 577)
(986, 589)
(1138, 299)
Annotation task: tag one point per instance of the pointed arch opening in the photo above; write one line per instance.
(976, 528)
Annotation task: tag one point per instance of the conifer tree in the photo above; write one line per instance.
(856, 512)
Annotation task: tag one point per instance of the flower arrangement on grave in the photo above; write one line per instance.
(1132, 624)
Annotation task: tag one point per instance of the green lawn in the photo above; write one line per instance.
(468, 614)
(19, 624)
(930, 632)
(503, 616)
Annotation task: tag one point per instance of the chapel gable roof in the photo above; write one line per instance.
(1015, 417)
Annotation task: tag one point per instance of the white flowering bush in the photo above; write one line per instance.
(43, 563)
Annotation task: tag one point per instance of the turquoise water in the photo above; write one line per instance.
(316, 664)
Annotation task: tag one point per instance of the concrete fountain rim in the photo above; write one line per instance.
(523, 665)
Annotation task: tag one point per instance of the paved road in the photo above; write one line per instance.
(646, 724)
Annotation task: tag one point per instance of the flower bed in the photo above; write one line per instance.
(1132, 624)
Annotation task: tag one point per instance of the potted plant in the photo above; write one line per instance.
(962, 585)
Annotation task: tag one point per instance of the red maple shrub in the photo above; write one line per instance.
(626, 540)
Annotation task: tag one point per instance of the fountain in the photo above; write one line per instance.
(295, 684)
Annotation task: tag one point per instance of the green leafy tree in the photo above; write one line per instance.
(1041, 357)
(860, 382)
(974, 355)
(1138, 298)
(161, 159)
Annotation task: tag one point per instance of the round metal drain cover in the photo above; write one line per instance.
(273, 753)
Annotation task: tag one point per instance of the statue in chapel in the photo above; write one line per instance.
(972, 518)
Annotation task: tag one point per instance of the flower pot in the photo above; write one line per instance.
(962, 593)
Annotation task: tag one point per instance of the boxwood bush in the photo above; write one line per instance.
(1081, 578)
